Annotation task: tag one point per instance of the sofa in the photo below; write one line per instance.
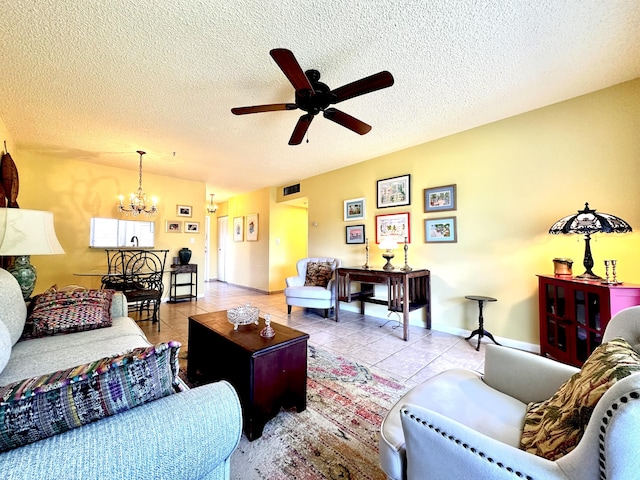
(189, 434)
(461, 424)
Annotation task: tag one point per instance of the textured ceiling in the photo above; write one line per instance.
(96, 81)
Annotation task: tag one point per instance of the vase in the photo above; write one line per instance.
(185, 255)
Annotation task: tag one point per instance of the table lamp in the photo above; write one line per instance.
(388, 244)
(24, 233)
(586, 222)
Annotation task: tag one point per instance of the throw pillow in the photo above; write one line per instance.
(67, 311)
(13, 310)
(5, 346)
(41, 407)
(554, 427)
(318, 274)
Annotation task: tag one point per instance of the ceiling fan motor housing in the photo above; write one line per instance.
(321, 99)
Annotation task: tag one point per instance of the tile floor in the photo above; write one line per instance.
(368, 340)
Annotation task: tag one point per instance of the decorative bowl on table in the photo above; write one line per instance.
(243, 315)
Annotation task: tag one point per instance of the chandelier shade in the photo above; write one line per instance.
(138, 203)
(587, 222)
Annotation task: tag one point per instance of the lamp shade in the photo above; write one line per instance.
(388, 243)
(27, 232)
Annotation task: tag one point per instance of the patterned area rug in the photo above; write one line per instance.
(336, 437)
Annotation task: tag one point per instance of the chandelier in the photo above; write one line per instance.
(138, 201)
(211, 208)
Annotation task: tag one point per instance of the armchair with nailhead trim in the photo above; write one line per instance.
(461, 424)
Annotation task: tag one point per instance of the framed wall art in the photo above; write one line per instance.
(355, 233)
(173, 227)
(394, 192)
(238, 229)
(252, 227)
(183, 210)
(355, 209)
(439, 199)
(440, 230)
(192, 227)
(395, 226)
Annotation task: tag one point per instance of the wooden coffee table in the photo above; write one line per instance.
(267, 373)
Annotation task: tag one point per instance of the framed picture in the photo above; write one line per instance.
(173, 226)
(440, 230)
(394, 192)
(355, 233)
(183, 210)
(395, 226)
(238, 229)
(192, 227)
(355, 209)
(439, 199)
(252, 227)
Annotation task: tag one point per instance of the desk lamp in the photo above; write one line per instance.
(24, 233)
(389, 245)
(587, 222)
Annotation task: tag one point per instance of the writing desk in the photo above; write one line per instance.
(406, 290)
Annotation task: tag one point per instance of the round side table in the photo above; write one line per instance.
(480, 331)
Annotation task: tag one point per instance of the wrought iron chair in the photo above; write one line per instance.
(139, 275)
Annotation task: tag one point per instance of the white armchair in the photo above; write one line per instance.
(311, 296)
(460, 424)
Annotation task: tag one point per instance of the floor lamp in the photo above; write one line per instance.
(24, 233)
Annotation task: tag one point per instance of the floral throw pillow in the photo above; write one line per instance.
(40, 407)
(318, 274)
(554, 427)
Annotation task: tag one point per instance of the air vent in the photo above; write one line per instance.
(291, 189)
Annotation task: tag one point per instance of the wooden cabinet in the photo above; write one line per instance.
(575, 313)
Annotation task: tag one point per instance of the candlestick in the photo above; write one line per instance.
(366, 253)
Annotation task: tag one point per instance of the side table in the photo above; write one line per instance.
(480, 331)
(190, 269)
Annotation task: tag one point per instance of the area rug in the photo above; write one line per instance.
(336, 437)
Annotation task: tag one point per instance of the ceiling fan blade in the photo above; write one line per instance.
(347, 121)
(291, 68)
(362, 86)
(273, 107)
(301, 129)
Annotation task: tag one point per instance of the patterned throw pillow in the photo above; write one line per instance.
(67, 311)
(318, 274)
(554, 427)
(41, 407)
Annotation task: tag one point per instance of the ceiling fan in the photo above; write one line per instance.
(313, 96)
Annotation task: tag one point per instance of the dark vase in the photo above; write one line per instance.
(185, 256)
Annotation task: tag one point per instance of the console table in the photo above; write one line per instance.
(406, 290)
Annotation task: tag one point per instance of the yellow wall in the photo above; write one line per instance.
(514, 179)
(77, 191)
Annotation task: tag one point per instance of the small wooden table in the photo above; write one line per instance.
(267, 373)
(406, 290)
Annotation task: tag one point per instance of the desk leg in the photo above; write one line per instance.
(405, 317)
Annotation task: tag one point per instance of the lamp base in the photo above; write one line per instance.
(388, 257)
(25, 273)
(588, 276)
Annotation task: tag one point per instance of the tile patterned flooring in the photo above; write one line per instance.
(371, 341)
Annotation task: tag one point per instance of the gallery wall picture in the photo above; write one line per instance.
(173, 226)
(355, 209)
(394, 191)
(183, 210)
(439, 199)
(192, 227)
(252, 227)
(238, 229)
(355, 234)
(394, 225)
(440, 230)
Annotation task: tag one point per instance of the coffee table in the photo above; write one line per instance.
(267, 373)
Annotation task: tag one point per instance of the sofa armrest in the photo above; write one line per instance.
(186, 435)
(523, 375)
(119, 306)
(440, 448)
